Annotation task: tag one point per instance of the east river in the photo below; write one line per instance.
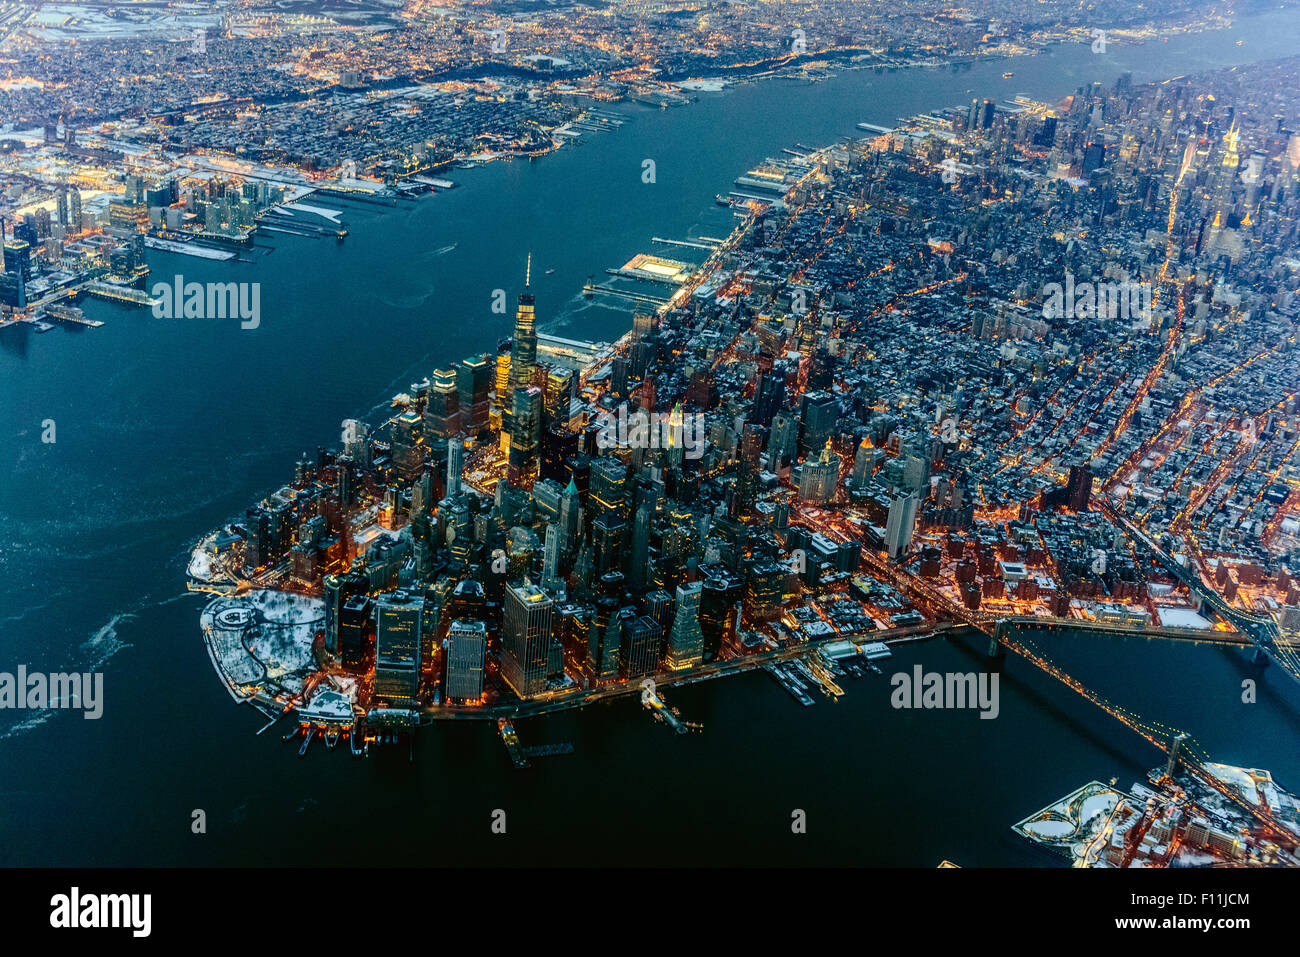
(168, 428)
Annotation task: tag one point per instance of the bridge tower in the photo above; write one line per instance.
(1174, 747)
(996, 648)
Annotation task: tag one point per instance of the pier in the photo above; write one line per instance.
(122, 294)
(71, 314)
(684, 242)
(510, 738)
(654, 703)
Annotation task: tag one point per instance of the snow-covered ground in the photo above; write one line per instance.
(262, 640)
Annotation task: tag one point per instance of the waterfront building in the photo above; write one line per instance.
(398, 617)
(686, 640)
(526, 638)
(466, 652)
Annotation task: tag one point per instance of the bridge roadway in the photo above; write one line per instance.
(1282, 833)
(1261, 629)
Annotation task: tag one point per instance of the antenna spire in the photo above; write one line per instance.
(528, 271)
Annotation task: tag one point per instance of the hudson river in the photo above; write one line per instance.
(168, 428)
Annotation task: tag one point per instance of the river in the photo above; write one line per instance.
(167, 428)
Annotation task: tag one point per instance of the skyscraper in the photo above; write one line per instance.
(408, 447)
(751, 448)
(397, 647)
(900, 523)
(455, 465)
(74, 210)
(339, 589)
(474, 384)
(639, 653)
(442, 418)
(466, 646)
(525, 433)
(607, 493)
(526, 638)
(818, 479)
(523, 347)
(817, 421)
(686, 640)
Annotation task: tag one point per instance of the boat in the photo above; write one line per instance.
(1007, 76)
(549, 271)
(306, 742)
(722, 200)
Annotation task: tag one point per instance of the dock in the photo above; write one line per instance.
(683, 242)
(790, 683)
(653, 702)
(510, 738)
(71, 314)
(821, 673)
(123, 294)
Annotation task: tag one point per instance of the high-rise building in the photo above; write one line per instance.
(474, 384)
(818, 479)
(523, 347)
(397, 647)
(863, 462)
(607, 491)
(747, 482)
(1078, 489)
(818, 416)
(784, 435)
(408, 445)
(525, 434)
(638, 552)
(605, 637)
(526, 638)
(353, 620)
(559, 392)
(339, 589)
(639, 652)
(718, 601)
(499, 409)
(686, 640)
(455, 465)
(74, 210)
(466, 648)
(900, 524)
(551, 580)
(442, 418)
(764, 591)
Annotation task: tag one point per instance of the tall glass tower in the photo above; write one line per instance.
(523, 348)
